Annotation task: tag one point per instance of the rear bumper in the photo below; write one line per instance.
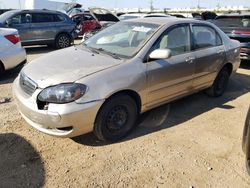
(61, 120)
(245, 53)
(13, 57)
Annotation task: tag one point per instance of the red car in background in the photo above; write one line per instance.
(85, 23)
(95, 19)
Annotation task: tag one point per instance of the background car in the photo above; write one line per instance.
(246, 141)
(71, 9)
(40, 27)
(85, 22)
(141, 15)
(11, 52)
(93, 20)
(123, 17)
(237, 26)
(126, 69)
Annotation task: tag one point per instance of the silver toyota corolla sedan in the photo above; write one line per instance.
(129, 68)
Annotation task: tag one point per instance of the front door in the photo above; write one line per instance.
(171, 78)
(21, 22)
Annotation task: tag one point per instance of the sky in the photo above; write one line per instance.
(144, 3)
(163, 3)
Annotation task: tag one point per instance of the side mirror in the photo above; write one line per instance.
(7, 22)
(160, 54)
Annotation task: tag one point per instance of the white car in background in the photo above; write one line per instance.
(12, 53)
(141, 15)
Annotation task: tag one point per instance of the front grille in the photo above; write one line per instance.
(27, 85)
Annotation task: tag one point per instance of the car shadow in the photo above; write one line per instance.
(20, 163)
(180, 111)
(10, 75)
(40, 49)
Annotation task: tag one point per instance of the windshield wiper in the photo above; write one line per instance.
(114, 55)
(94, 50)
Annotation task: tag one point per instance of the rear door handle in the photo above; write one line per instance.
(190, 59)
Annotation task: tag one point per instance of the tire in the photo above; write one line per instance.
(220, 84)
(116, 118)
(1, 69)
(247, 163)
(62, 41)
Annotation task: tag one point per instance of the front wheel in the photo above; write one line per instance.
(116, 118)
(62, 41)
(220, 84)
(1, 69)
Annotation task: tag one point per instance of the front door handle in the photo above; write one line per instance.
(190, 59)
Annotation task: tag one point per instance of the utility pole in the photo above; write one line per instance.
(198, 4)
(151, 6)
(20, 4)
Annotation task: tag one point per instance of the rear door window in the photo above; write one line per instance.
(205, 37)
(42, 18)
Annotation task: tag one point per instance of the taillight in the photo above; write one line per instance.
(241, 32)
(244, 50)
(13, 38)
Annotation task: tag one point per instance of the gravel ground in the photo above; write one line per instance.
(197, 145)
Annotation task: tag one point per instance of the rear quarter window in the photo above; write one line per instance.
(58, 18)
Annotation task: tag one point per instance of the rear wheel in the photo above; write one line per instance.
(116, 118)
(220, 84)
(62, 41)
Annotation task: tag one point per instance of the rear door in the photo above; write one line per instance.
(43, 27)
(209, 54)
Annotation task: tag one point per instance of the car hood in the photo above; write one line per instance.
(103, 15)
(67, 65)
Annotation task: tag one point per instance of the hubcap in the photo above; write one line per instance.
(63, 41)
(117, 118)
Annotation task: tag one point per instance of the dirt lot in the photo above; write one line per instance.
(198, 145)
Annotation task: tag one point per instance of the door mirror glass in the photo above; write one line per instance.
(8, 22)
(160, 54)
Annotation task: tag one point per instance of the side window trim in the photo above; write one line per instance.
(193, 37)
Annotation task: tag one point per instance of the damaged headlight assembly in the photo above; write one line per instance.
(62, 93)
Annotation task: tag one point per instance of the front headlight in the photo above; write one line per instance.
(63, 93)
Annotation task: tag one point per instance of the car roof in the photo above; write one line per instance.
(35, 11)
(234, 15)
(134, 14)
(166, 20)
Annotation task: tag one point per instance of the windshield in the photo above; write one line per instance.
(233, 21)
(123, 39)
(5, 16)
